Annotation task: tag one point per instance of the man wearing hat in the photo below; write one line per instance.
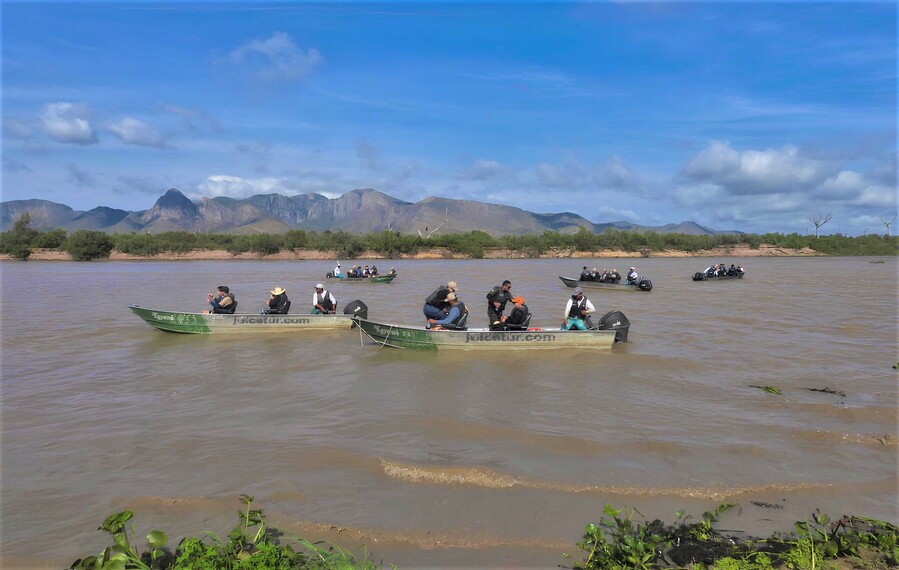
(436, 306)
(456, 310)
(323, 302)
(277, 303)
(518, 316)
(577, 311)
(632, 277)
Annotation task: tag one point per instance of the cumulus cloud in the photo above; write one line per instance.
(134, 132)
(276, 58)
(754, 172)
(615, 174)
(236, 187)
(80, 177)
(67, 123)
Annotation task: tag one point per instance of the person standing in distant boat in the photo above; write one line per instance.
(577, 311)
(323, 302)
(277, 303)
(496, 304)
(222, 302)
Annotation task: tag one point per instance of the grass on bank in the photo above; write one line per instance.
(619, 541)
(86, 245)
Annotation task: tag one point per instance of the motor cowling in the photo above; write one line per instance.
(617, 321)
(645, 285)
(357, 309)
(698, 276)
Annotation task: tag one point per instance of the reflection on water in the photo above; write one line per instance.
(504, 455)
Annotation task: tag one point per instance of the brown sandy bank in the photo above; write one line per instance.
(434, 253)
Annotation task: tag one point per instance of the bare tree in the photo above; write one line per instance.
(888, 224)
(819, 220)
(432, 232)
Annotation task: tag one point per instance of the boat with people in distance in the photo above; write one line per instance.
(376, 279)
(642, 285)
(700, 276)
(719, 272)
(212, 323)
(613, 328)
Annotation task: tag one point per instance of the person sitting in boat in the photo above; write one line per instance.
(337, 272)
(740, 269)
(456, 310)
(277, 303)
(374, 270)
(323, 302)
(614, 276)
(518, 316)
(366, 272)
(359, 271)
(223, 301)
(392, 271)
(577, 311)
(632, 277)
(436, 306)
(496, 304)
(604, 276)
(586, 275)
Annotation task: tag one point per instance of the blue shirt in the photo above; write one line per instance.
(452, 316)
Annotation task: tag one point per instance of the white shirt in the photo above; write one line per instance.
(317, 301)
(632, 275)
(589, 306)
(336, 271)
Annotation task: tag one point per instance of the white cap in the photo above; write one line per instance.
(319, 286)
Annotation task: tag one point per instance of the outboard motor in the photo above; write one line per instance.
(357, 309)
(645, 284)
(615, 320)
(329, 274)
(699, 276)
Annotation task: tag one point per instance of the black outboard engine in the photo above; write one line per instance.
(357, 309)
(329, 274)
(645, 285)
(699, 276)
(615, 320)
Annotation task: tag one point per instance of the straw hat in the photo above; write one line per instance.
(278, 291)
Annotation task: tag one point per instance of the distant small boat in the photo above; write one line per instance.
(403, 336)
(643, 285)
(211, 323)
(700, 276)
(376, 279)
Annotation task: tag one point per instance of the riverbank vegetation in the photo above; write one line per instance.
(622, 539)
(19, 242)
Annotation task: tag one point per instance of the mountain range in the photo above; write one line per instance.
(358, 211)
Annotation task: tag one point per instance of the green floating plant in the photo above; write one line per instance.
(769, 389)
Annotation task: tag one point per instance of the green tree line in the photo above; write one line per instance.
(85, 245)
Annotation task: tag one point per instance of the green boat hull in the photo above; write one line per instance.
(399, 336)
(597, 285)
(202, 323)
(375, 279)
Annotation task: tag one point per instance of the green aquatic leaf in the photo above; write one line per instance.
(769, 389)
(157, 539)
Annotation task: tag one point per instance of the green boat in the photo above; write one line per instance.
(403, 336)
(376, 279)
(643, 285)
(209, 323)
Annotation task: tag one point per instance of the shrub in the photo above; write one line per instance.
(85, 245)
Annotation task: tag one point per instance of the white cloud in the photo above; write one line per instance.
(276, 58)
(615, 174)
(67, 123)
(134, 132)
(757, 172)
(236, 187)
(610, 214)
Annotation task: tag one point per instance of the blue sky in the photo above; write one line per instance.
(746, 116)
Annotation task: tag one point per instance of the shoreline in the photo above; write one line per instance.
(433, 253)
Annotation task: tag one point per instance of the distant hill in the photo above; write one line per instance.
(359, 211)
